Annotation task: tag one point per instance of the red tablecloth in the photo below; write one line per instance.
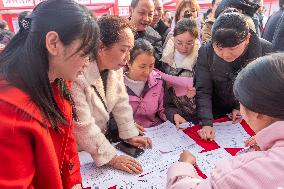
(210, 145)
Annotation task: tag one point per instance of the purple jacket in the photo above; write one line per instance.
(148, 109)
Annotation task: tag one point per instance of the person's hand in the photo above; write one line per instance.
(126, 163)
(235, 116)
(140, 129)
(206, 133)
(178, 120)
(191, 92)
(140, 142)
(77, 186)
(251, 142)
(187, 157)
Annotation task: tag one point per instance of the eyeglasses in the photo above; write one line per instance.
(178, 43)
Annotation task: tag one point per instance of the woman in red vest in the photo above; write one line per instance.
(53, 46)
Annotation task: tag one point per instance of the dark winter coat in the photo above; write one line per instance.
(278, 41)
(155, 39)
(271, 25)
(184, 106)
(162, 29)
(214, 79)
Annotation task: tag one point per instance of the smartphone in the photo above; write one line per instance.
(129, 149)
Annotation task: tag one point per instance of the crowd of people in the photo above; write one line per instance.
(70, 82)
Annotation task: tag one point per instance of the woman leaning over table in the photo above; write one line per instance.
(100, 94)
(234, 45)
(262, 107)
(37, 148)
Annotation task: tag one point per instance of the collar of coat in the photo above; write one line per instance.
(271, 136)
(22, 101)
(93, 78)
(188, 62)
(253, 51)
(149, 34)
(152, 81)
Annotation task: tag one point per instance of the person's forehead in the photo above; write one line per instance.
(145, 55)
(184, 37)
(146, 4)
(158, 3)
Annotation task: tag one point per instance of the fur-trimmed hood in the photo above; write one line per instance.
(188, 62)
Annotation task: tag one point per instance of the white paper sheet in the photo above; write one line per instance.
(167, 138)
(148, 158)
(230, 135)
(99, 176)
(155, 163)
(85, 158)
(207, 161)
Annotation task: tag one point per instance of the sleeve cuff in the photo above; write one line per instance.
(182, 175)
(206, 123)
(105, 153)
(127, 131)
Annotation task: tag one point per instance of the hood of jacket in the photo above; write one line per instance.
(187, 63)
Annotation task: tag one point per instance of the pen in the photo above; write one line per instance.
(247, 149)
(231, 116)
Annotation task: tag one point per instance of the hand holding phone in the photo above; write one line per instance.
(129, 149)
(140, 142)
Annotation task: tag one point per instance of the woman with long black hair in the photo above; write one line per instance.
(37, 147)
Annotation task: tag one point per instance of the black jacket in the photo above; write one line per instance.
(214, 79)
(162, 29)
(271, 25)
(278, 41)
(155, 39)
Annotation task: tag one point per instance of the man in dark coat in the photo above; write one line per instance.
(278, 41)
(273, 22)
(5, 35)
(158, 24)
(142, 12)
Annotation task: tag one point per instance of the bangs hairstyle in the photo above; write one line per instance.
(79, 23)
(111, 28)
(141, 46)
(230, 29)
(186, 25)
(24, 62)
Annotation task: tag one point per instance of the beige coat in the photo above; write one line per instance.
(93, 117)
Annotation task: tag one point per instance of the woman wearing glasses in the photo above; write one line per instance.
(179, 58)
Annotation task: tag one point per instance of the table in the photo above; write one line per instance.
(210, 145)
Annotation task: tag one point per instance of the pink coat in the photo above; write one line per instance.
(253, 170)
(149, 109)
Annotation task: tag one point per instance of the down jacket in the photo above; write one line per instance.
(214, 79)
